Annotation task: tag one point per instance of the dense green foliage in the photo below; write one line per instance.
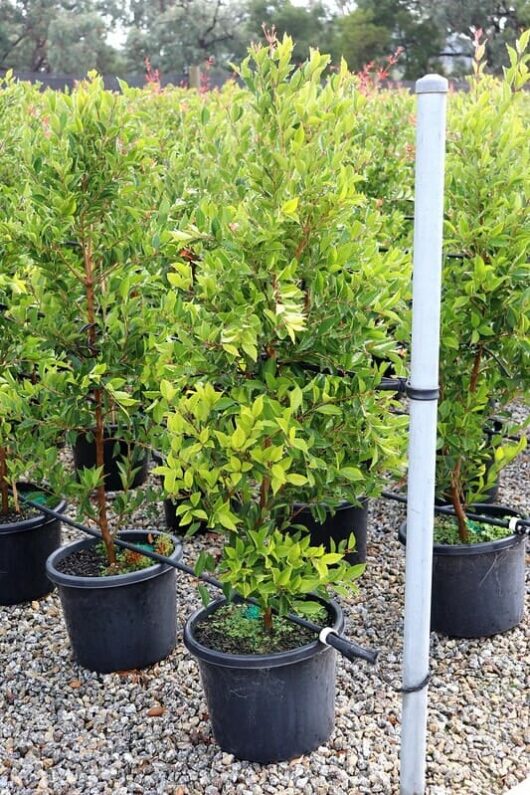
(226, 277)
(485, 348)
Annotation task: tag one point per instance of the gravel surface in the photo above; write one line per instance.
(67, 731)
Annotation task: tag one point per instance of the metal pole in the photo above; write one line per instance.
(423, 390)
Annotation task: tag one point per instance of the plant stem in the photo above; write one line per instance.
(457, 503)
(267, 619)
(4, 487)
(456, 474)
(265, 485)
(476, 370)
(98, 399)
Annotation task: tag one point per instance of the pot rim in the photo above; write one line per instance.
(114, 580)
(342, 506)
(33, 522)
(255, 661)
(483, 547)
(109, 430)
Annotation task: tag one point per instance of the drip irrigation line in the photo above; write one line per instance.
(398, 384)
(447, 255)
(515, 524)
(501, 421)
(326, 635)
(487, 428)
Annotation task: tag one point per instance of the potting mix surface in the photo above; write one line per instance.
(12, 517)
(92, 561)
(446, 531)
(240, 629)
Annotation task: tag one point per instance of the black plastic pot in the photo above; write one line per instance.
(24, 548)
(347, 519)
(123, 621)
(85, 457)
(477, 589)
(269, 707)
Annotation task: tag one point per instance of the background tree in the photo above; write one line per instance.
(56, 35)
(310, 26)
(77, 43)
(360, 40)
(174, 34)
(410, 25)
(501, 22)
(73, 36)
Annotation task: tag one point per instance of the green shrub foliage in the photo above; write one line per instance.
(226, 276)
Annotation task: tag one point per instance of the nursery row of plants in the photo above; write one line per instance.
(221, 282)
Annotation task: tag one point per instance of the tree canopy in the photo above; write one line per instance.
(73, 36)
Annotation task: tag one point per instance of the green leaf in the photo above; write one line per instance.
(329, 410)
(290, 206)
(353, 474)
(296, 480)
(204, 594)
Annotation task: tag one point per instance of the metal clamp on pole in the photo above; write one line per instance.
(416, 688)
(417, 393)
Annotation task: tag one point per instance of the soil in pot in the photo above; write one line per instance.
(239, 629)
(26, 540)
(338, 526)
(115, 451)
(478, 588)
(267, 707)
(118, 621)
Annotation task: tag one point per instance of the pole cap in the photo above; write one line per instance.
(432, 84)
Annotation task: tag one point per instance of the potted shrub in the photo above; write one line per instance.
(86, 222)
(26, 449)
(258, 672)
(283, 285)
(478, 574)
(28, 452)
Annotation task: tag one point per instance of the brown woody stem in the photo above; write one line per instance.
(456, 486)
(476, 370)
(265, 485)
(98, 399)
(4, 486)
(267, 619)
(457, 503)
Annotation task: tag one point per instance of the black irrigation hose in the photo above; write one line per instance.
(347, 648)
(386, 384)
(450, 255)
(519, 526)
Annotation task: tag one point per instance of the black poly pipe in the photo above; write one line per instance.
(346, 647)
(447, 510)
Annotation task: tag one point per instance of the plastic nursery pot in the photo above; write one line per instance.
(170, 506)
(122, 621)
(85, 456)
(24, 548)
(347, 519)
(268, 707)
(477, 589)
